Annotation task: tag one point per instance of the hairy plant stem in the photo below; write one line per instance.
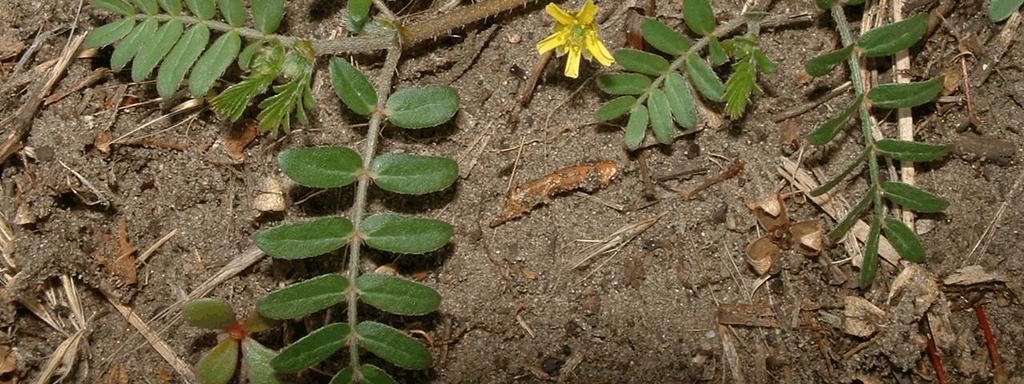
(839, 16)
(359, 206)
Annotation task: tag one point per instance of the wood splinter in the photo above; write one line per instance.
(527, 196)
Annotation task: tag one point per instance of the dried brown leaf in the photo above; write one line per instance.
(527, 196)
(235, 141)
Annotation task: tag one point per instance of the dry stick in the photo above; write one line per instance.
(905, 122)
(993, 349)
(154, 340)
(26, 114)
(729, 173)
(841, 89)
(933, 355)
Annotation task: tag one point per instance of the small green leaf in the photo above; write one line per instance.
(268, 14)
(616, 108)
(358, 14)
(716, 53)
(825, 4)
(154, 48)
(352, 87)
(219, 364)
(171, 6)
(233, 101)
(126, 50)
(640, 61)
(414, 108)
(210, 313)
(303, 298)
(699, 16)
(148, 6)
(827, 131)
(233, 11)
(307, 239)
(256, 362)
(402, 234)
(413, 175)
(321, 167)
(313, 348)
(824, 188)
(907, 95)
(1002, 9)
(661, 116)
(248, 54)
(680, 100)
(740, 86)
(911, 150)
(895, 37)
(764, 64)
(213, 63)
(663, 38)
(110, 33)
(851, 217)
(397, 295)
(393, 345)
(636, 128)
(118, 6)
(276, 110)
(624, 83)
(823, 64)
(203, 9)
(869, 266)
(704, 78)
(180, 59)
(904, 240)
(913, 198)
(371, 375)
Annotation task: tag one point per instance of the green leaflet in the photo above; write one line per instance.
(268, 14)
(870, 264)
(393, 345)
(358, 14)
(907, 95)
(1002, 9)
(403, 234)
(303, 298)
(321, 167)
(616, 108)
(371, 375)
(824, 188)
(823, 64)
(116, 6)
(827, 131)
(219, 364)
(851, 217)
(276, 111)
(740, 85)
(636, 128)
(212, 64)
(154, 49)
(248, 54)
(640, 61)
(699, 16)
(895, 37)
(257, 362)
(304, 240)
(716, 53)
(110, 33)
(180, 59)
(352, 87)
(126, 50)
(203, 9)
(680, 100)
(413, 175)
(397, 295)
(313, 348)
(661, 116)
(233, 11)
(913, 198)
(704, 78)
(210, 313)
(663, 38)
(148, 6)
(624, 83)
(911, 150)
(903, 240)
(423, 107)
(171, 6)
(233, 101)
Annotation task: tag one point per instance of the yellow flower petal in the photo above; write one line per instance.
(572, 65)
(560, 15)
(587, 13)
(556, 40)
(598, 50)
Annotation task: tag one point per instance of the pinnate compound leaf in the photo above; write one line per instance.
(219, 364)
(704, 78)
(403, 234)
(661, 116)
(117, 6)
(895, 37)
(903, 150)
(150, 7)
(1002, 9)
(906, 95)
(869, 266)
(413, 175)
(904, 240)
(823, 64)
(154, 49)
(358, 14)
(624, 83)
(171, 6)
(699, 16)
(304, 240)
(321, 167)
(913, 198)
(233, 11)
(371, 375)
(110, 33)
(616, 108)
(680, 100)
(397, 295)
(210, 313)
(233, 101)
(352, 87)
(313, 348)
(213, 63)
(827, 131)
(268, 14)
(636, 127)
(424, 107)
(640, 61)
(256, 362)
(304, 297)
(393, 345)
(663, 38)
(180, 59)
(126, 50)
(203, 9)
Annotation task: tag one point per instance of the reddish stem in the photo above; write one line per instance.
(933, 354)
(990, 340)
(237, 331)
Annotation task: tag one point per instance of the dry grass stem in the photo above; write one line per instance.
(153, 248)
(612, 244)
(182, 368)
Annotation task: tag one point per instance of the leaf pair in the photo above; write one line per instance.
(878, 42)
(385, 232)
(888, 96)
(333, 167)
(410, 108)
(387, 293)
(384, 341)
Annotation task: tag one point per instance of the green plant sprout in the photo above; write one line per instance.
(220, 363)
(656, 102)
(879, 42)
(1001, 10)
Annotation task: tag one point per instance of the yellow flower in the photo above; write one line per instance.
(576, 35)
